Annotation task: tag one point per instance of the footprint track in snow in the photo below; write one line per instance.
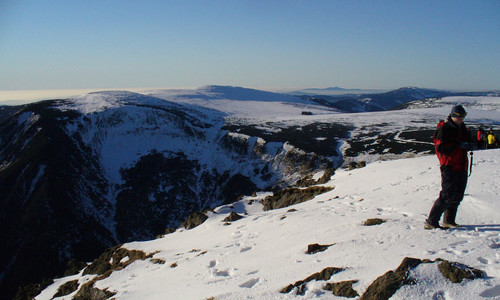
(492, 292)
(249, 283)
(483, 260)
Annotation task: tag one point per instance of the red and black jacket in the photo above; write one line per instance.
(447, 141)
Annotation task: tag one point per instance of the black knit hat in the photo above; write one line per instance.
(458, 111)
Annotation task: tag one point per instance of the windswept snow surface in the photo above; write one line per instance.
(257, 256)
(242, 102)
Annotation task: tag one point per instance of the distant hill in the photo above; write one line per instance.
(330, 91)
(384, 101)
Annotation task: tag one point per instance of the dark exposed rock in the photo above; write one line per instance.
(101, 264)
(342, 289)
(329, 172)
(232, 217)
(386, 285)
(74, 267)
(361, 164)
(374, 221)
(302, 137)
(356, 165)
(170, 230)
(88, 291)
(308, 180)
(158, 261)
(291, 196)
(315, 248)
(112, 259)
(237, 186)
(456, 272)
(325, 274)
(31, 290)
(195, 219)
(67, 288)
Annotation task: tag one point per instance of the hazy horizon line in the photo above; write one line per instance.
(30, 95)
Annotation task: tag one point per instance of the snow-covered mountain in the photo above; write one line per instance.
(82, 174)
(311, 249)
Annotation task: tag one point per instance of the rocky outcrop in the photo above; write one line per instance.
(301, 285)
(286, 197)
(232, 217)
(386, 285)
(194, 220)
(457, 272)
(342, 289)
(315, 248)
(67, 288)
(373, 221)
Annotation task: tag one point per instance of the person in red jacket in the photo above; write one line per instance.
(452, 142)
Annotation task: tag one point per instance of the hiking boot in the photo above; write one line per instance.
(429, 226)
(450, 225)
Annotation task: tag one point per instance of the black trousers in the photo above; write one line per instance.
(452, 192)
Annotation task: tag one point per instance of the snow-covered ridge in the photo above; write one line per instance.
(99, 101)
(257, 256)
(216, 92)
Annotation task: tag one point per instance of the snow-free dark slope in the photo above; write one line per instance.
(79, 175)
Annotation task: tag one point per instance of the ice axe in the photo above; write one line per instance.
(471, 160)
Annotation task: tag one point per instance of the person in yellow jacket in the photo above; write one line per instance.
(491, 139)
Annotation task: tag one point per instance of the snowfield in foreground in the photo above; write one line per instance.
(260, 254)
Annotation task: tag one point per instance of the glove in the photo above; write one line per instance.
(467, 146)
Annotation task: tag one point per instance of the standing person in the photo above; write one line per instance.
(452, 142)
(481, 138)
(491, 139)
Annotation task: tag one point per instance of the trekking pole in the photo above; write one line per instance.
(471, 159)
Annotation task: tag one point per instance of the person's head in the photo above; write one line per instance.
(458, 114)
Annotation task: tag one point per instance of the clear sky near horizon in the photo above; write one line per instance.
(265, 44)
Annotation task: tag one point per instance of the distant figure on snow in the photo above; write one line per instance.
(481, 138)
(491, 139)
(452, 142)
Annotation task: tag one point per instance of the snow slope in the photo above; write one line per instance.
(242, 102)
(255, 257)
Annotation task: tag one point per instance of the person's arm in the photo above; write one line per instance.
(446, 145)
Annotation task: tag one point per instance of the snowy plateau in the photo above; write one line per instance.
(83, 174)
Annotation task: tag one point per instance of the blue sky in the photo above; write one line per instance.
(52, 44)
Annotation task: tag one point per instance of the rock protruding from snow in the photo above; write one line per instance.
(286, 197)
(301, 285)
(386, 285)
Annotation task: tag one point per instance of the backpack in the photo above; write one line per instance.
(448, 160)
(442, 159)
